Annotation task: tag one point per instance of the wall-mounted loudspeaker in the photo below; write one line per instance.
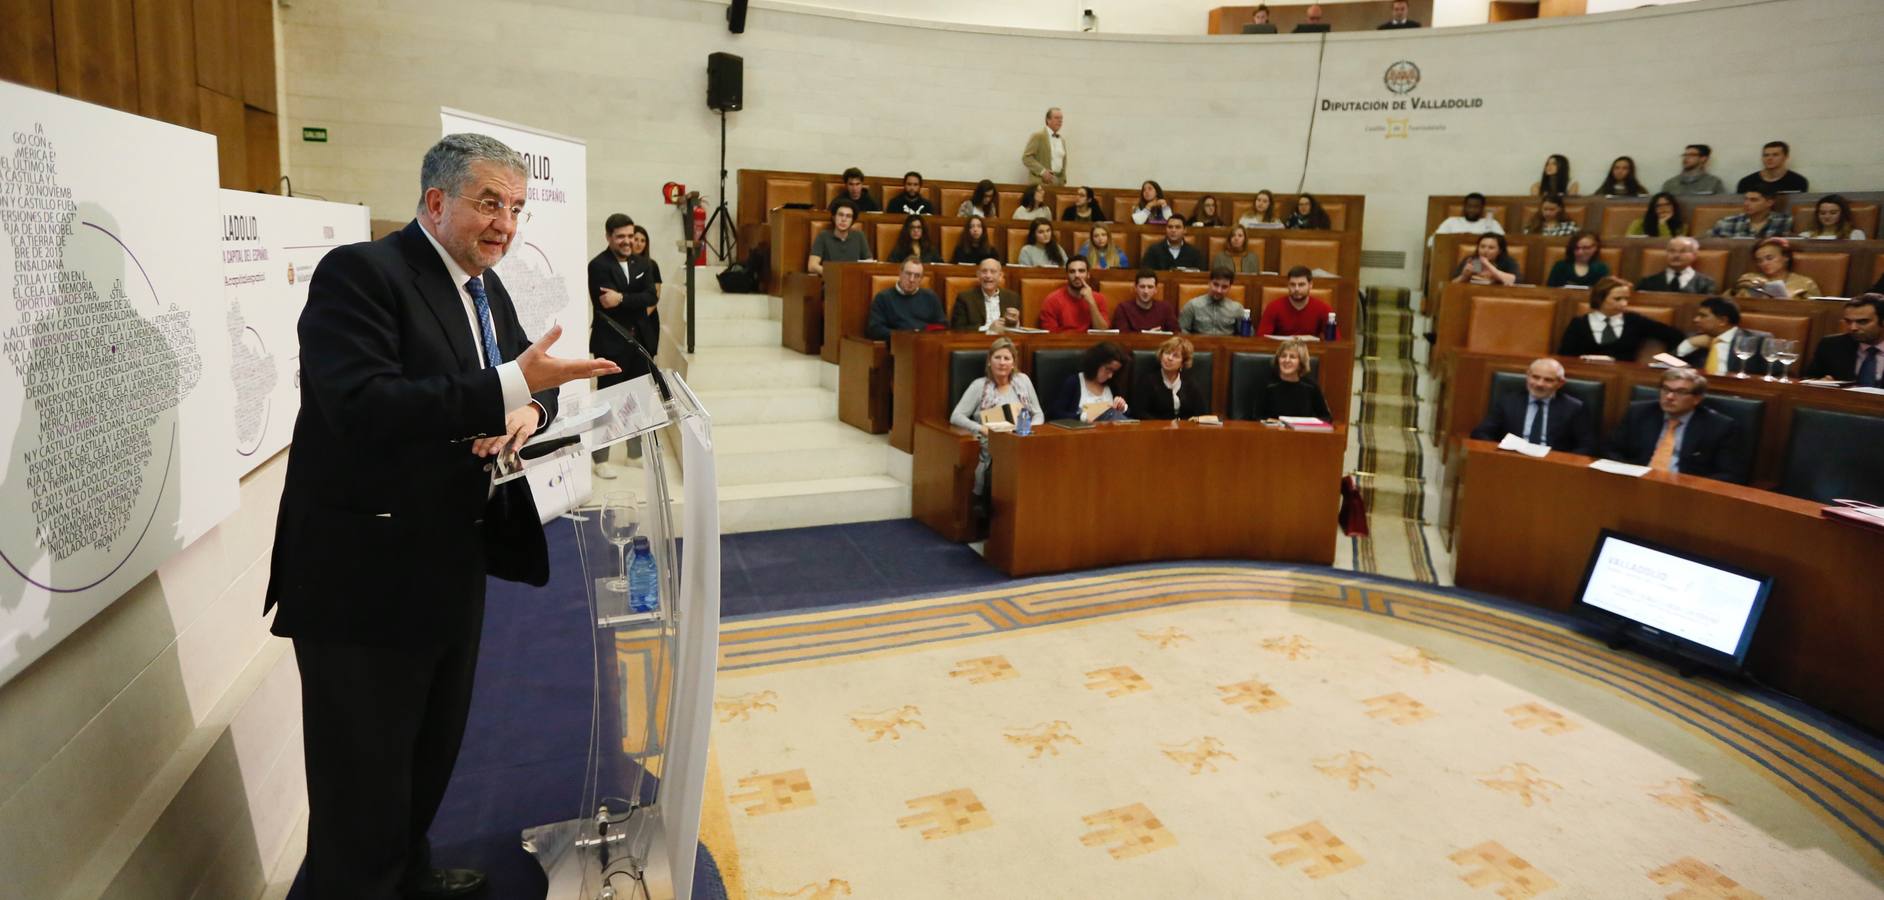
(736, 17)
(726, 76)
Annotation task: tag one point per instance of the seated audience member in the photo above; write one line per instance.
(1090, 386)
(856, 193)
(1621, 181)
(1152, 208)
(1755, 220)
(1490, 263)
(989, 306)
(1164, 393)
(984, 202)
(1858, 354)
(1710, 349)
(910, 202)
(1580, 266)
(1174, 252)
(1773, 275)
(1099, 251)
(1084, 208)
(1236, 254)
(1543, 414)
(1680, 277)
(1034, 204)
(1399, 19)
(1313, 20)
(1041, 249)
(1308, 214)
(1694, 178)
(999, 385)
(1555, 180)
(1611, 329)
(1146, 312)
(1470, 220)
(975, 245)
(1262, 212)
(1076, 305)
(1831, 221)
(1259, 21)
(1299, 312)
(1677, 434)
(840, 242)
(1204, 214)
(905, 305)
(1292, 391)
(1662, 218)
(1213, 312)
(1773, 174)
(914, 240)
(1550, 220)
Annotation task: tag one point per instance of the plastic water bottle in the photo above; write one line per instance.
(1245, 327)
(1331, 331)
(644, 589)
(1025, 424)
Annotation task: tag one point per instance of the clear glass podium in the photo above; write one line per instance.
(635, 828)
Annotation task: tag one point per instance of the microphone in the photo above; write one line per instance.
(660, 381)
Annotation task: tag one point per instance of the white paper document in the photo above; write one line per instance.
(1513, 442)
(1619, 468)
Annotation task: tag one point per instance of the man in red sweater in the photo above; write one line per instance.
(1076, 306)
(1299, 313)
(1146, 312)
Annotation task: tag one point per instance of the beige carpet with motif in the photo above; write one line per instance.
(1205, 731)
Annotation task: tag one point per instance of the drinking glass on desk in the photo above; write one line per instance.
(619, 522)
(1788, 354)
(1746, 346)
(1769, 351)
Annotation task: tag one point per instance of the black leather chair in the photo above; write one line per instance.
(1749, 412)
(1203, 369)
(964, 367)
(1249, 371)
(1590, 392)
(1832, 455)
(1051, 369)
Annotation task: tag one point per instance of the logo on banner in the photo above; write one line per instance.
(1402, 77)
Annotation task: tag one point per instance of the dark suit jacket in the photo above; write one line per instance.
(637, 311)
(1636, 330)
(387, 524)
(1395, 26)
(1711, 445)
(1157, 257)
(1755, 365)
(1700, 284)
(970, 312)
(1835, 357)
(1152, 400)
(1568, 425)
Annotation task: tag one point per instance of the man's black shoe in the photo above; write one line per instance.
(441, 883)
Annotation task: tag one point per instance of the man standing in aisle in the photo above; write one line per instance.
(1045, 156)
(414, 373)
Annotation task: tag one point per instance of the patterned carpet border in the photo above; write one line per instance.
(1842, 779)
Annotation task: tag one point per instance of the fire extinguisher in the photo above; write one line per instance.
(699, 232)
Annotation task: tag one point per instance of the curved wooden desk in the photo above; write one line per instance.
(1526, 527)
(1114, 494)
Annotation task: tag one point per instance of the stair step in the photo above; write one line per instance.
(752, 406)
(737, 333)
(732, 306)
(822, 501)
(719, 368)
(796, 451)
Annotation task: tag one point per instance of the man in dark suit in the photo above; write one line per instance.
(1677, 434)
(414, 373)
(1399, 19)
(1173, 252)
(1543, 414)
(624, 287)
(1710, 350)
(1858, 354)
(987, 302)
(1680, 277)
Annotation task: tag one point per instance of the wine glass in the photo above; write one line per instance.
(620, 521)
(1788, 354)
(1769, 351)
(1745, 347)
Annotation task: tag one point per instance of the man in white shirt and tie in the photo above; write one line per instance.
(1045, 156)
(1681, 276)
(988, 306)
(1711, 348)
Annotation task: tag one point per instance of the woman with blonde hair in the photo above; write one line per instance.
(999, 395)
(1773, 276)
(1099, 251)
(1262, 212)
(1164, 392)
(1236, 254)
(1291, 390)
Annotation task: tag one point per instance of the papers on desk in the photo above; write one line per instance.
(1619, 468)
(1207, 420)
(1596, 357)
(1304, 423)
(1865, 390)
(1022, 329)
(1292, 337)
(1102, 331)
(1667, 361)
(1520, 445)
(1857, 512)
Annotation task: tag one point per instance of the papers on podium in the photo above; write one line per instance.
(1520, 445)
(606, 418)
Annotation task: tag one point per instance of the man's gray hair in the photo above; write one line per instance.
(448, 164)
(1693, 377)
(1553, 365)
(1683, 240)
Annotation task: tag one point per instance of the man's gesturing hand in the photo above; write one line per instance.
(542, 371)
(518, 426)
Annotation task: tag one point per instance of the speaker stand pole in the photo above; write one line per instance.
(689, 246)
(725, 241)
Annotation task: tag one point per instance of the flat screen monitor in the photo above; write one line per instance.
(1696, 608)
(1259, 28)
(1317, 28)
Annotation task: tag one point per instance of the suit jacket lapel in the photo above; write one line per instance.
(432, 281)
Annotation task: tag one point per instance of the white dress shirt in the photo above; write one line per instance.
(1678, 280)
(1596, 324)
(1057, 148)
(992, 302)
(509, 375)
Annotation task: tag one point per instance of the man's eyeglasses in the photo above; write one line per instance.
(1680, 392)
(493, 209)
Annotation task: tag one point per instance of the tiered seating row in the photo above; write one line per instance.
(1611, 216)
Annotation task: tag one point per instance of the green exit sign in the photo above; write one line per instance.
(314, 135)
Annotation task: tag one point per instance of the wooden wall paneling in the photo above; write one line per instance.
(255, 29)
(221, 115)
(166, 61)
(263, 130)
(218, 47)
(96, 48)
(26, 44)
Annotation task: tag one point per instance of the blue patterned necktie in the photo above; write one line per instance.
(483, 304)
(1867, 368)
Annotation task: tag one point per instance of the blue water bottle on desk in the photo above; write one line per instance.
(1331, 331)
(644, 579)
(1024, 423)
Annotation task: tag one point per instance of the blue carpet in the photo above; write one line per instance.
(526, 742)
